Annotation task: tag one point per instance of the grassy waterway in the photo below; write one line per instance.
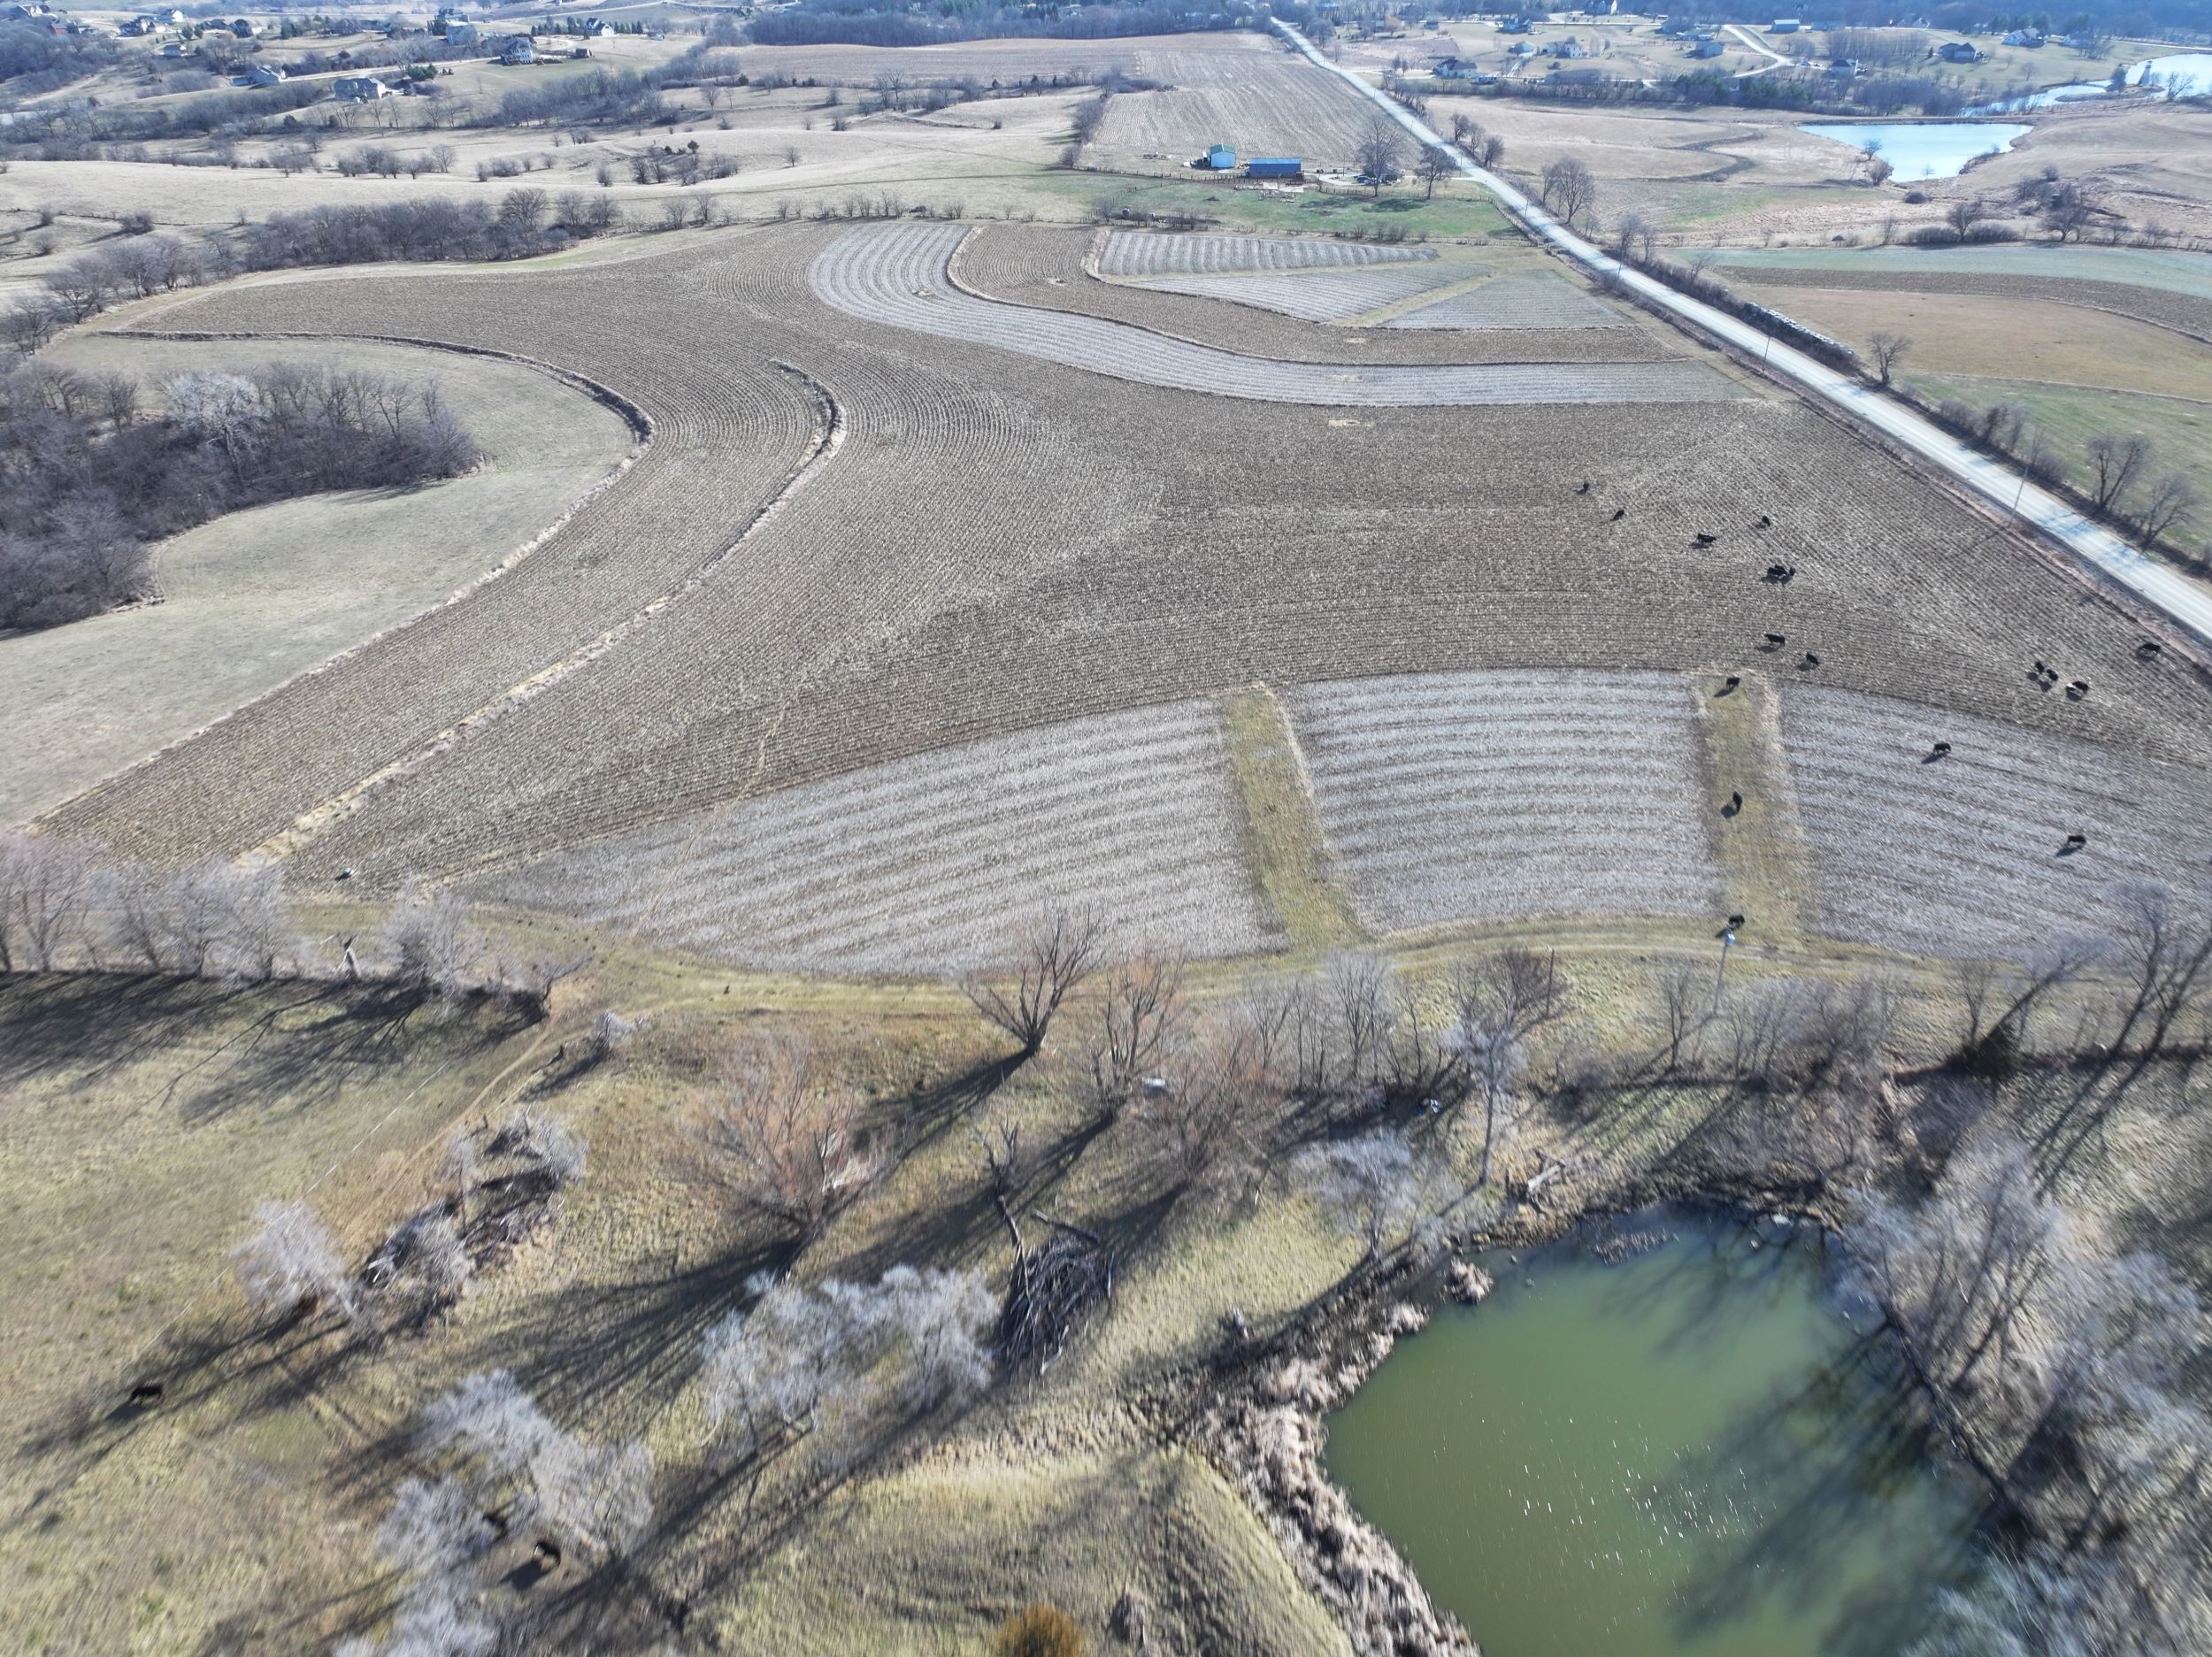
(1689, 1453)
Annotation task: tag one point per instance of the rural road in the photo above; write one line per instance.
(1774, 59)
(2184, 601)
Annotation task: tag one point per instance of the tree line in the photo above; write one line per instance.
(91, 480)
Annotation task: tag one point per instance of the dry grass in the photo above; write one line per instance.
(2012, 336)
(253, 599)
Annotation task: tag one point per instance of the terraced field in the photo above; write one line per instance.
(927, 863)
(1148, 253)
(1043, 266)
(1500, 796)
(1321, 296)
(896, 275)
(1536, 299)
(1967, 856)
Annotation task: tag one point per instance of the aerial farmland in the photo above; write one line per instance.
(812, 842)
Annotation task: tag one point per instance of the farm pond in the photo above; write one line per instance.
(1664, 1439)
(1924, 149)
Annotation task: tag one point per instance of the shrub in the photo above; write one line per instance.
(1040, 1630)
(1933, 237)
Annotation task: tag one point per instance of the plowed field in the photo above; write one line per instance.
(1535, 300)
(1498, 796)
(1145, 253)
(1966, 855)
(895, 274)
(929, 862)
(1321, 296)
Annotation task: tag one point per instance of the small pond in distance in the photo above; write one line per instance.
(1924, 150)
(1688, 1453)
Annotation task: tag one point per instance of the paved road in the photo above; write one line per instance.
(2184, 601)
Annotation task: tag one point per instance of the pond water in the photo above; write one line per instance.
(2190, 71)
(1688, 1453)
(1924, 149)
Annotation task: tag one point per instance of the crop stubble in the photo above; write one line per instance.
(1510, 794)
(1965, 856)
(922, 862)
(995, 549)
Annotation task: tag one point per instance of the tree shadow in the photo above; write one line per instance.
(1813, 1477)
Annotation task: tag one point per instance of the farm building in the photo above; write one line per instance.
(1218, 158)
(1705, 49)
(1785, 25)
(359, 89)
(1275, 167)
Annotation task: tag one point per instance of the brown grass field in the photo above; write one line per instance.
(967, 569)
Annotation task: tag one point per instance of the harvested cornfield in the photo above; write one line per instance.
(1497, 796)
(1968, 855)
(930, 861)
(896, 274)
(1147, 253)
(1263, 99)
(1321, 296)
(1535, 299)
(1042, 267)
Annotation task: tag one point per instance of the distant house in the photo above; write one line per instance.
(264, 75)
(598, 29)
(1521, 49)
(517, 49)
(1844, 68)
(1959, 52)
(2025, 37)
(1568, 48)
(461, 34)
(1274, 167)
(139, 27)
(24, 14)
(1706, 48)
(359, 89)
(175, 49)
(1515, 26)
(1219, 159)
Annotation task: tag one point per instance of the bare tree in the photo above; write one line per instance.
(431, 943)
(46, 887)
(1466, 132)
(1958, 1275)
(1211, 1114)
(1140, 1015)
(1683, 997)
(599, 1498)
(1964, 213)
(2115, 465)
(1372, 1185)
(1490, 155)
(1377, 152)
(289, 1266)
(1054, 953)
(2169, 504)
(1887, 351)
(782, 1139)
(1569, 190)
(1436, 164)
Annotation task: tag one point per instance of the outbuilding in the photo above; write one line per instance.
(1275, 167)
(1219, 159)
(1785, 25)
